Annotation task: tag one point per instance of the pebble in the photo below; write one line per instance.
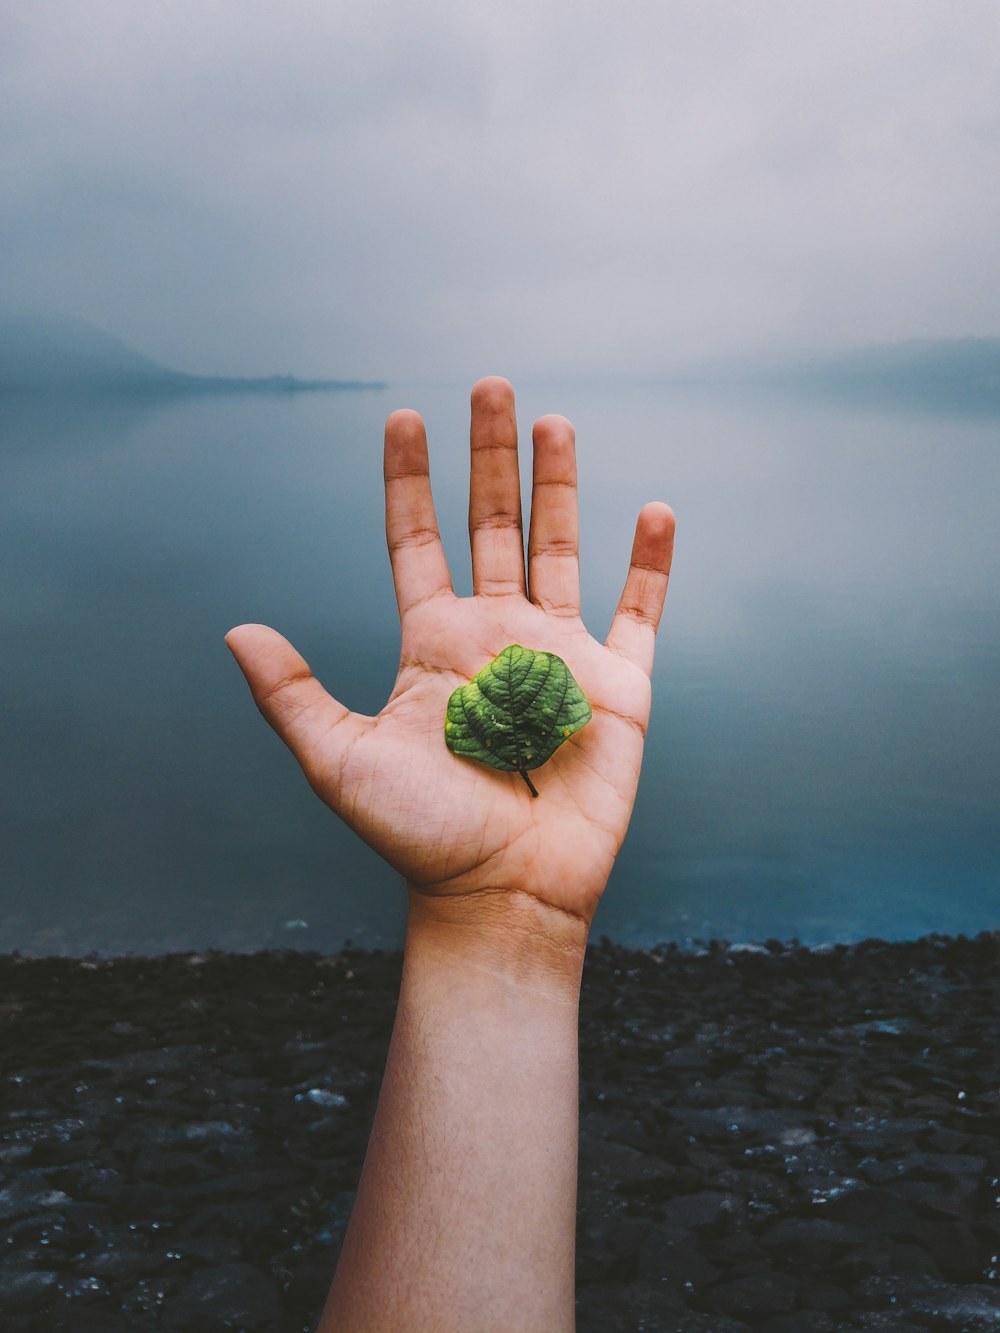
(771, 1138)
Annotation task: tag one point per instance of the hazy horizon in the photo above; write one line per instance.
(46, 351)
(440, 193)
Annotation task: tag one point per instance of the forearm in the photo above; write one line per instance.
(465, 1216)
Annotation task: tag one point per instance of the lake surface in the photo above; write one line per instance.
(824, 754)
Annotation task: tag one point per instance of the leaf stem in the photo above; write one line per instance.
(531, 785)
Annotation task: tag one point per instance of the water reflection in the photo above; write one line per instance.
(824, 747)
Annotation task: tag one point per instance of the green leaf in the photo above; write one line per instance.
(516, 712)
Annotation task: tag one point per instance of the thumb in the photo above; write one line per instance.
(287, 693)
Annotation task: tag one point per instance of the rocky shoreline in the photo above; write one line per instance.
(772, 1138)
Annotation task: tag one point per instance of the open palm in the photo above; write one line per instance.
(449, 825)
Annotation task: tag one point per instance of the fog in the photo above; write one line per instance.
(442, 190)
(824, 746)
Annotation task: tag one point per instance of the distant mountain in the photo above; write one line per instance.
(954, 374)
(70, 356)
(942, 374)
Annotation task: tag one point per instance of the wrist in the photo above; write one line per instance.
(508, 933)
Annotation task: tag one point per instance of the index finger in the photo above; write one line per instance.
(419, 568)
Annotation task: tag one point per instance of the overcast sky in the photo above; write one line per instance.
(424, 189)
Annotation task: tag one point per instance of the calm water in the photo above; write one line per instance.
(824, 756)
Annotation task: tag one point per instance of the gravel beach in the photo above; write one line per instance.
(772, 1138)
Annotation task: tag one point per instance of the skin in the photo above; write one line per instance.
(465, 1212)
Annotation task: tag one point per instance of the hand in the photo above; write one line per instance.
(456, 829)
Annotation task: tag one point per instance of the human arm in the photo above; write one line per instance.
(465, 1211)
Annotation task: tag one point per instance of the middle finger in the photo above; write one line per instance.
(495, 493)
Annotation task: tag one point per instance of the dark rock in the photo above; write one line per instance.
(952, 1247)
(728, 1123)
(695, 1211)
(25, 1291)
(30, 1192)
(802, 1321)
(257, 1184)
(612, 1305)
(880, 1255)
(883, 1171)
(944, 1140)
(122, 1253)
(170, 1168)
(236, 1296)
(943, 1198)
(886, 1289)
(65, 1149)
(690, 1322)
(812, 1235)
(142, 1202)
(239, 1219)
(210, 1250)
(84, 1290)
(661, 1254)
(825, 1296)
(872, 1210)
(791, 1086)
(170, 1134)
(83, 1319)
(967, 1309)
(739, 1250)
(884, 1321)
(945, 1164)
(732, 1075)
(97, 1183)
(870, 1132)
(639, 1305)
(913, 1260)
(606, 1123)
(307, 1285)
(760, 1186)
(68, 1226)
(756, 1294)
(621, 1167)
(143, 1304)
(621, 1244)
